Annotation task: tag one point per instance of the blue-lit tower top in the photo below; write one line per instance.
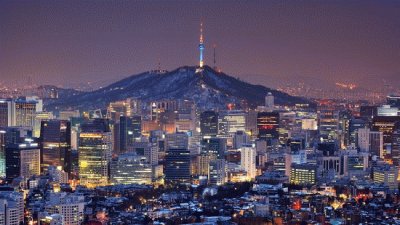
(201, 46)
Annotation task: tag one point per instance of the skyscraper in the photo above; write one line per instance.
(95, 147)
(216, 172)
(177, 167)
(130, 168)
(25, 112)
(55, 136)
(7, 111)
(328, 121)
(22, 159)
(248, 161)
(268, 126)
(130, 128)
(269, 101)
(215, 146)
(396, 145)
(209, 123)
(179, 140)
(386, 125)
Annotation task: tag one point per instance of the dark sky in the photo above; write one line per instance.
(73, 42)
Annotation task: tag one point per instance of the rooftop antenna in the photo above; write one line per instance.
(215, 59)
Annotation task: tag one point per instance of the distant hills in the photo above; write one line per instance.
(208, 88)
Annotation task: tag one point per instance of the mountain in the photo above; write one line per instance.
(207, 88)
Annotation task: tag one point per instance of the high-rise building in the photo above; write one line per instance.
(22, 159)
(215, 146)
(251, 123)
(7, 112)
(303, 174)
(386, 125)
(179, 140)
(11, 135)
(209, 123)
(146, 149)
(95, 147)
(239, 139)
(268, 126)
(355, 124)
(11, 208)
(130, 168)
(269, 101)
(127, 107)
(217, 172)
(393, 100)
(67, 115)
(344, 128)
(370, 141)
(41, 116)
(294, 157)
(387, 110)
(287, 122)
(203, 163)
(25, 112)
(248, 161)
(386, 175)
(367, 112)
(177, 165)
(232, 121)
(71, 206)
(328, 121)
(395, 153)
(19, 112)
(130, 128)
(354, 163)
(55, 137)
(3, 132)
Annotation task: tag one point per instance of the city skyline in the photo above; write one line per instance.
(71, 43)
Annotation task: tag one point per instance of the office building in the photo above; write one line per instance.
(303, 174)
(177, 165)
(71, 206)
(55, 137)
(11, 208)
(248, 161)
(232, 121)
(393, 100)
(269, 101)
(268, 126)
(22, 159)
(239, 139)
(328, 121)
(130, 129)
(370, 141)
(215, 146)
(130, 168)
(387, 175)
(179, 140)
(217, 172)
(95, 147)
(209, 123)
(386, 125)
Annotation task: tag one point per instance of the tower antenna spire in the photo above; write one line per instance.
(215, 59)
(201, 46)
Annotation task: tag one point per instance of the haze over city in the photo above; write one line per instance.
(73, 42)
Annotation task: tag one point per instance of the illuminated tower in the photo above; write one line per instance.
(201, 46)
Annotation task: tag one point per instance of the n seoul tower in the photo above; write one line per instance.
(201, 46)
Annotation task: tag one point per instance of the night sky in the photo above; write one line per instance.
(74, 42)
